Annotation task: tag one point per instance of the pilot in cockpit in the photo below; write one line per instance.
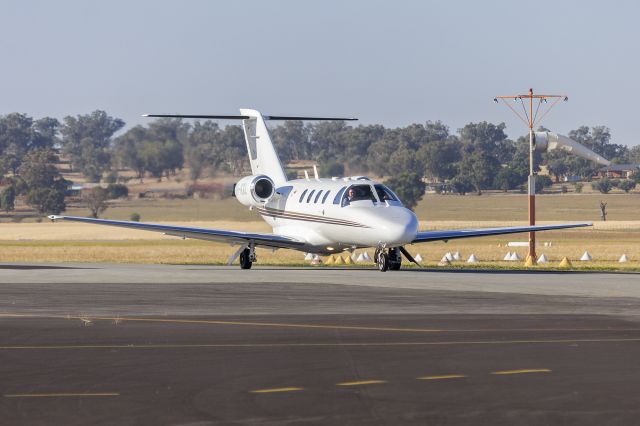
(351, 194)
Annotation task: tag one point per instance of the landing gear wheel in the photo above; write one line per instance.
(395, 259)
(383, 261)
(245, 259)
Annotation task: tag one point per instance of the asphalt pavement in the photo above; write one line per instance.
(169, 344)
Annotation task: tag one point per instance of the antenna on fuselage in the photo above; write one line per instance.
(306, 175)
(315, 172)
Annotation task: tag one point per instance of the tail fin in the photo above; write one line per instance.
(262, 154)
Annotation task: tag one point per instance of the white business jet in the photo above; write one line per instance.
(314, 215)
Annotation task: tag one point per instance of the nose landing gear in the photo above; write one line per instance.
(388, 261)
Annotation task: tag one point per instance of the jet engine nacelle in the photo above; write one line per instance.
(548, 141)
(254, 190)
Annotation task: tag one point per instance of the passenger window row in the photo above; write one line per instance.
(317, 197)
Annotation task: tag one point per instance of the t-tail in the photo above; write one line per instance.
(263, 157)
(262, 153)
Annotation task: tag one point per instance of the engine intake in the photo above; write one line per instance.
(254, 190)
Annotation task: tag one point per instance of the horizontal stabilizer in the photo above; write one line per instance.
(246, 117)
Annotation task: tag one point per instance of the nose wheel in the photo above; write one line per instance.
(382, 259)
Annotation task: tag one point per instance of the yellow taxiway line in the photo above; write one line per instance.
(277, 390)
(529, 371)
(443, 377)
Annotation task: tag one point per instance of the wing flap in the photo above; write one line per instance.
(233, 237)
(426, 236)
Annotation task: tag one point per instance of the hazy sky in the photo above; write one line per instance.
(391, 62)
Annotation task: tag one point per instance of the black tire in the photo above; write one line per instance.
(383, 261)
(395, 260)
(245, 259)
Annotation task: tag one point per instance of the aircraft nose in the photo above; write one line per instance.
(402, 227)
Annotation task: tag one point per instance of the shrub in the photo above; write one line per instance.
(627, 185)
(135, 217)
(604, 185)
(111, 177)
(578, 187)
(564, 189)
(117, 190)
(542, 182)
(205, 190)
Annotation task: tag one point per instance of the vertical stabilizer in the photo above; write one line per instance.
(262, 154)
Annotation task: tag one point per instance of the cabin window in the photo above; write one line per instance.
(385, 194)
(302, 196)
(317, 197)
(336, 199)
(310, 195)
(358, 193)
(326, 194)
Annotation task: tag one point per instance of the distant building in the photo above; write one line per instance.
(618, 171)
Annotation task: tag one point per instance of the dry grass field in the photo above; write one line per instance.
(75, 242)
(30, 241)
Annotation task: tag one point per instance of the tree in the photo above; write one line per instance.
(409, 187)
(489, 139)
(479, 168)
(327, 140)
(199, 148)
(331, 169)
(506, 179)
(15, 137)
(634, 155)
(440, 158)
(395, 152)
(46, 200)
(291, 140)
(8, 198)
(44, 185)
(86, 139)
(461, 185)
(126, 149)
(96, 200)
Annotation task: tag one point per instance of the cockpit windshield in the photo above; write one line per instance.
(385, 194)
(358, 193)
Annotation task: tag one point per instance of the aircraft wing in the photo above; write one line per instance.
(426, 236)
(232, 237)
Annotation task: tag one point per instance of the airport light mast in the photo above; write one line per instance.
(530, 118)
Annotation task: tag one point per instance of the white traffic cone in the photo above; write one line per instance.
(586, 257)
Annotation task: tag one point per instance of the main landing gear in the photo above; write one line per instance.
(391, 260)
(247, 257)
